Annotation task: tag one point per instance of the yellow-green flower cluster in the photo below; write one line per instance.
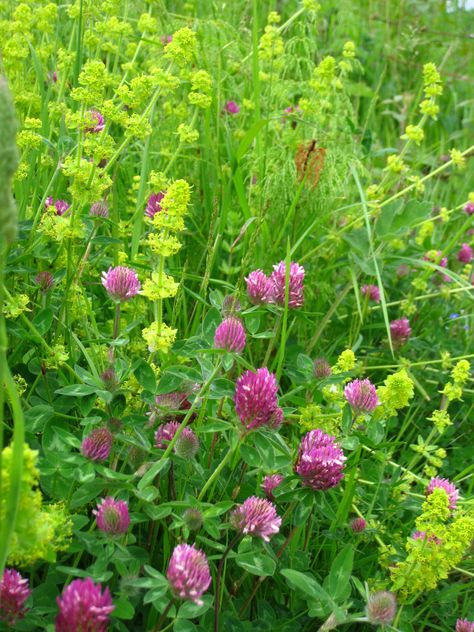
(345, 362)
(201, 89)
(163, 241)
(39, 531)
(458, 159)
(271, 48)
(432, 88)
(396, 392)
(311, 418)
(414, 133)
(182, 47)
(60, 227)
(56, 357)
(431, 558)
(159, 337)
(460, 375)
(15, 306)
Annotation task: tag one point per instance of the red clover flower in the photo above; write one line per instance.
(295, 284)
(98, 444)
(320, 461)
(449, 488)
(381, 608)
(259, 287)
(154, 204)
(121, 283)
(372, 291)
(465, 254)
(83, 606)
(256, 399)
(270, 483)
(362, 396)
(188, 573)
(230, 335)
(256, 517)
(14, 592)
(400, 331)
(112, 516)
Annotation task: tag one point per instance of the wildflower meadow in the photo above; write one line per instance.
(237, 324)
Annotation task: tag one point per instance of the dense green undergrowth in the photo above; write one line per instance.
(194, 143)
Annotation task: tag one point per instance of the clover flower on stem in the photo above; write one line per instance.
(98, 444)
(230, 335)
(256, 517)
(112, 516)
(255, 399)
(450, 489)
(295, 284)
(361, 396)
(83, 606)
(14, 592)
(188, 573)
(372, 291)
(320, 461)
(259, 287)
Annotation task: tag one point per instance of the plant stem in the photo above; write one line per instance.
(217, 598)
(161, 620)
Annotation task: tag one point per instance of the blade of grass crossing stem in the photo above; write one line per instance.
(374, 259)
(281, 351)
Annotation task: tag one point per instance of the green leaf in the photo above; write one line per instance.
(76, 390)
(43, 320)
(123, 609)
(190, 610)
(37, 417)
(256, 563)
(337, 581)
(153, 472)
(145, 376)
(86, 493)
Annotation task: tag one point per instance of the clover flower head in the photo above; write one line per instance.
(83, 606)
(98, 444)
(422, 535)
(187, 444)
(450, 489)
(14, 592)
(465, 254)
(469, 208)
(322, 368)
(256, 398)
(121, 283)
(463, 625)
(112, 516)
(165, 406)
(99, 209)
(362, 396)
(230, 335)
(259, 287)
(193, 519)
(270, 483)
(372, 291)
(256, 517)
(400, 331)
(320, 461)
(231, 107)
(96, 122)
(153, 205)
(381, 608)
(295, 284)
(358, 525)
(60, 206)
(44, 280)
(188, 573)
